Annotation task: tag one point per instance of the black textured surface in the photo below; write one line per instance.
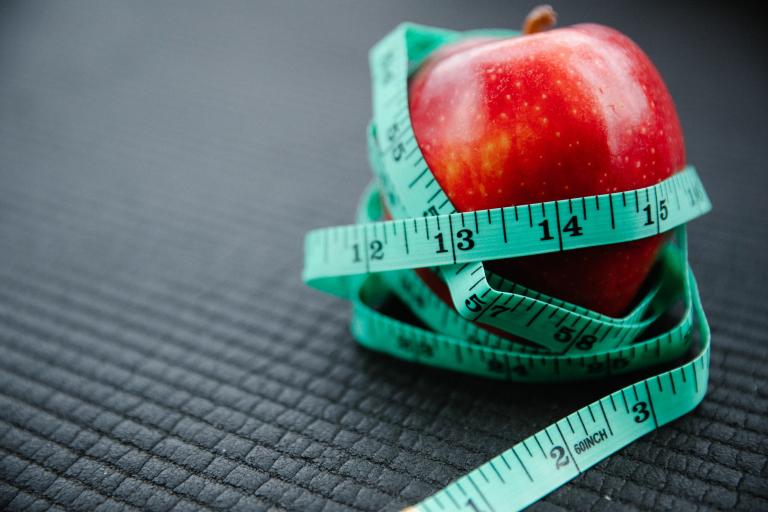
(159, 165)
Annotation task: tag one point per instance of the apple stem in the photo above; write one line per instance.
(541, 18)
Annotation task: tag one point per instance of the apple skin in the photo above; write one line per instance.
(560, 114)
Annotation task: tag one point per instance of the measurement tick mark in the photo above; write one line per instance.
(522, 465)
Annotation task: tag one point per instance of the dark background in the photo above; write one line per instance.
(160, 163)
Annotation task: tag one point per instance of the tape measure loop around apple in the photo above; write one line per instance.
(373, 259)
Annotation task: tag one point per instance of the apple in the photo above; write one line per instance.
(559, 114)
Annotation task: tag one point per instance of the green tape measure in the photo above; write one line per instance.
(372, 259)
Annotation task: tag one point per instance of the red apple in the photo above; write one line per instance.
(560, 114)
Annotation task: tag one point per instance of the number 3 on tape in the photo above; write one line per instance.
(373, 258)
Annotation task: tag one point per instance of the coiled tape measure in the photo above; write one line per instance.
(372, 258)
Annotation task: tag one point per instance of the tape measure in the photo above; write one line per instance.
(373, 258)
